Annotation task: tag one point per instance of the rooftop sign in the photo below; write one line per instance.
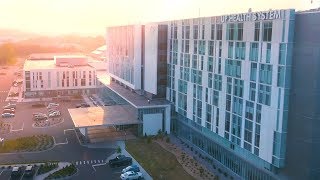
(252, 16)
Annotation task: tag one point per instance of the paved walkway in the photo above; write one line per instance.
(60, 166)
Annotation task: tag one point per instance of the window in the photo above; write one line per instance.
(217, 82)
(228, 102)
(187, 32)
(186, 49)
(265, 74)
(202, 47)
(280, 79)
(212, 31)
(268, 54)
(215, 98)
(253, 52)
(210, 64)
(252, 91)
(175, 32)
(249, 110)
(230, 50)
(240, 50)
(195, 47)
(253, 72)
(267, 31)
(219, 31)
(210, 80)
(233, 68)
(230, 31)
(238, 87)
(240, 31)
(194, 61)
(211, 48)
(257, 31)
(282, 54)
(264, 96)
(195, 31)
(202, 32)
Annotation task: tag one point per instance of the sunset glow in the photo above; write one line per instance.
(91, 17)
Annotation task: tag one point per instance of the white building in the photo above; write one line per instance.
(62, 76)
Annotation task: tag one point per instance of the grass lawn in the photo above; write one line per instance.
(64, 172)
(158, 162)
(31, 143)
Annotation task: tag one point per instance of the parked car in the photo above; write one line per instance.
(7, 115)
(131, 175)
(52, 110)
(40, 117)
(16, 171)
(133, 167)
(120, 160)
(54, 114)
(52, 105)
(8, 106)
(29, 171)
(11, 111)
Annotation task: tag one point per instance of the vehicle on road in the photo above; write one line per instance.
(120, 160)
(133, 167)
(29, 172)
(7, 115)
(131, 175)
(54, 114)
(16, 171)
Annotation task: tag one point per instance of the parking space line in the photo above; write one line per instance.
(15, 130)
(1, 172)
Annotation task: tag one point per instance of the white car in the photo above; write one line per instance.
(52, 105)
(131, 175)
(54, 114)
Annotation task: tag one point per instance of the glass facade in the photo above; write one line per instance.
(233, 90)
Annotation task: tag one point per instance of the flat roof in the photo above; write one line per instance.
(49, 56)
(104, 116)
(45, 64)
(133, 98)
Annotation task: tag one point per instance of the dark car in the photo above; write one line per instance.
(120, 160)
(85, 105)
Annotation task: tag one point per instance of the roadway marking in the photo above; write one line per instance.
(16, 130)
(62, 143)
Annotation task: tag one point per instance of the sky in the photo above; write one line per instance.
(91, 17)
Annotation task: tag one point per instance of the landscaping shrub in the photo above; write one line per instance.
(64, 172)
(47, 167)
(168, 139)
(119, 150)
(149, 139)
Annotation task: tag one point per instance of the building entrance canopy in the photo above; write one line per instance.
(104, 116)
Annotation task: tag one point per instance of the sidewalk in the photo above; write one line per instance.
(60, 166)
(124, 152)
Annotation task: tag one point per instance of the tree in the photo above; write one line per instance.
(7, 54)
